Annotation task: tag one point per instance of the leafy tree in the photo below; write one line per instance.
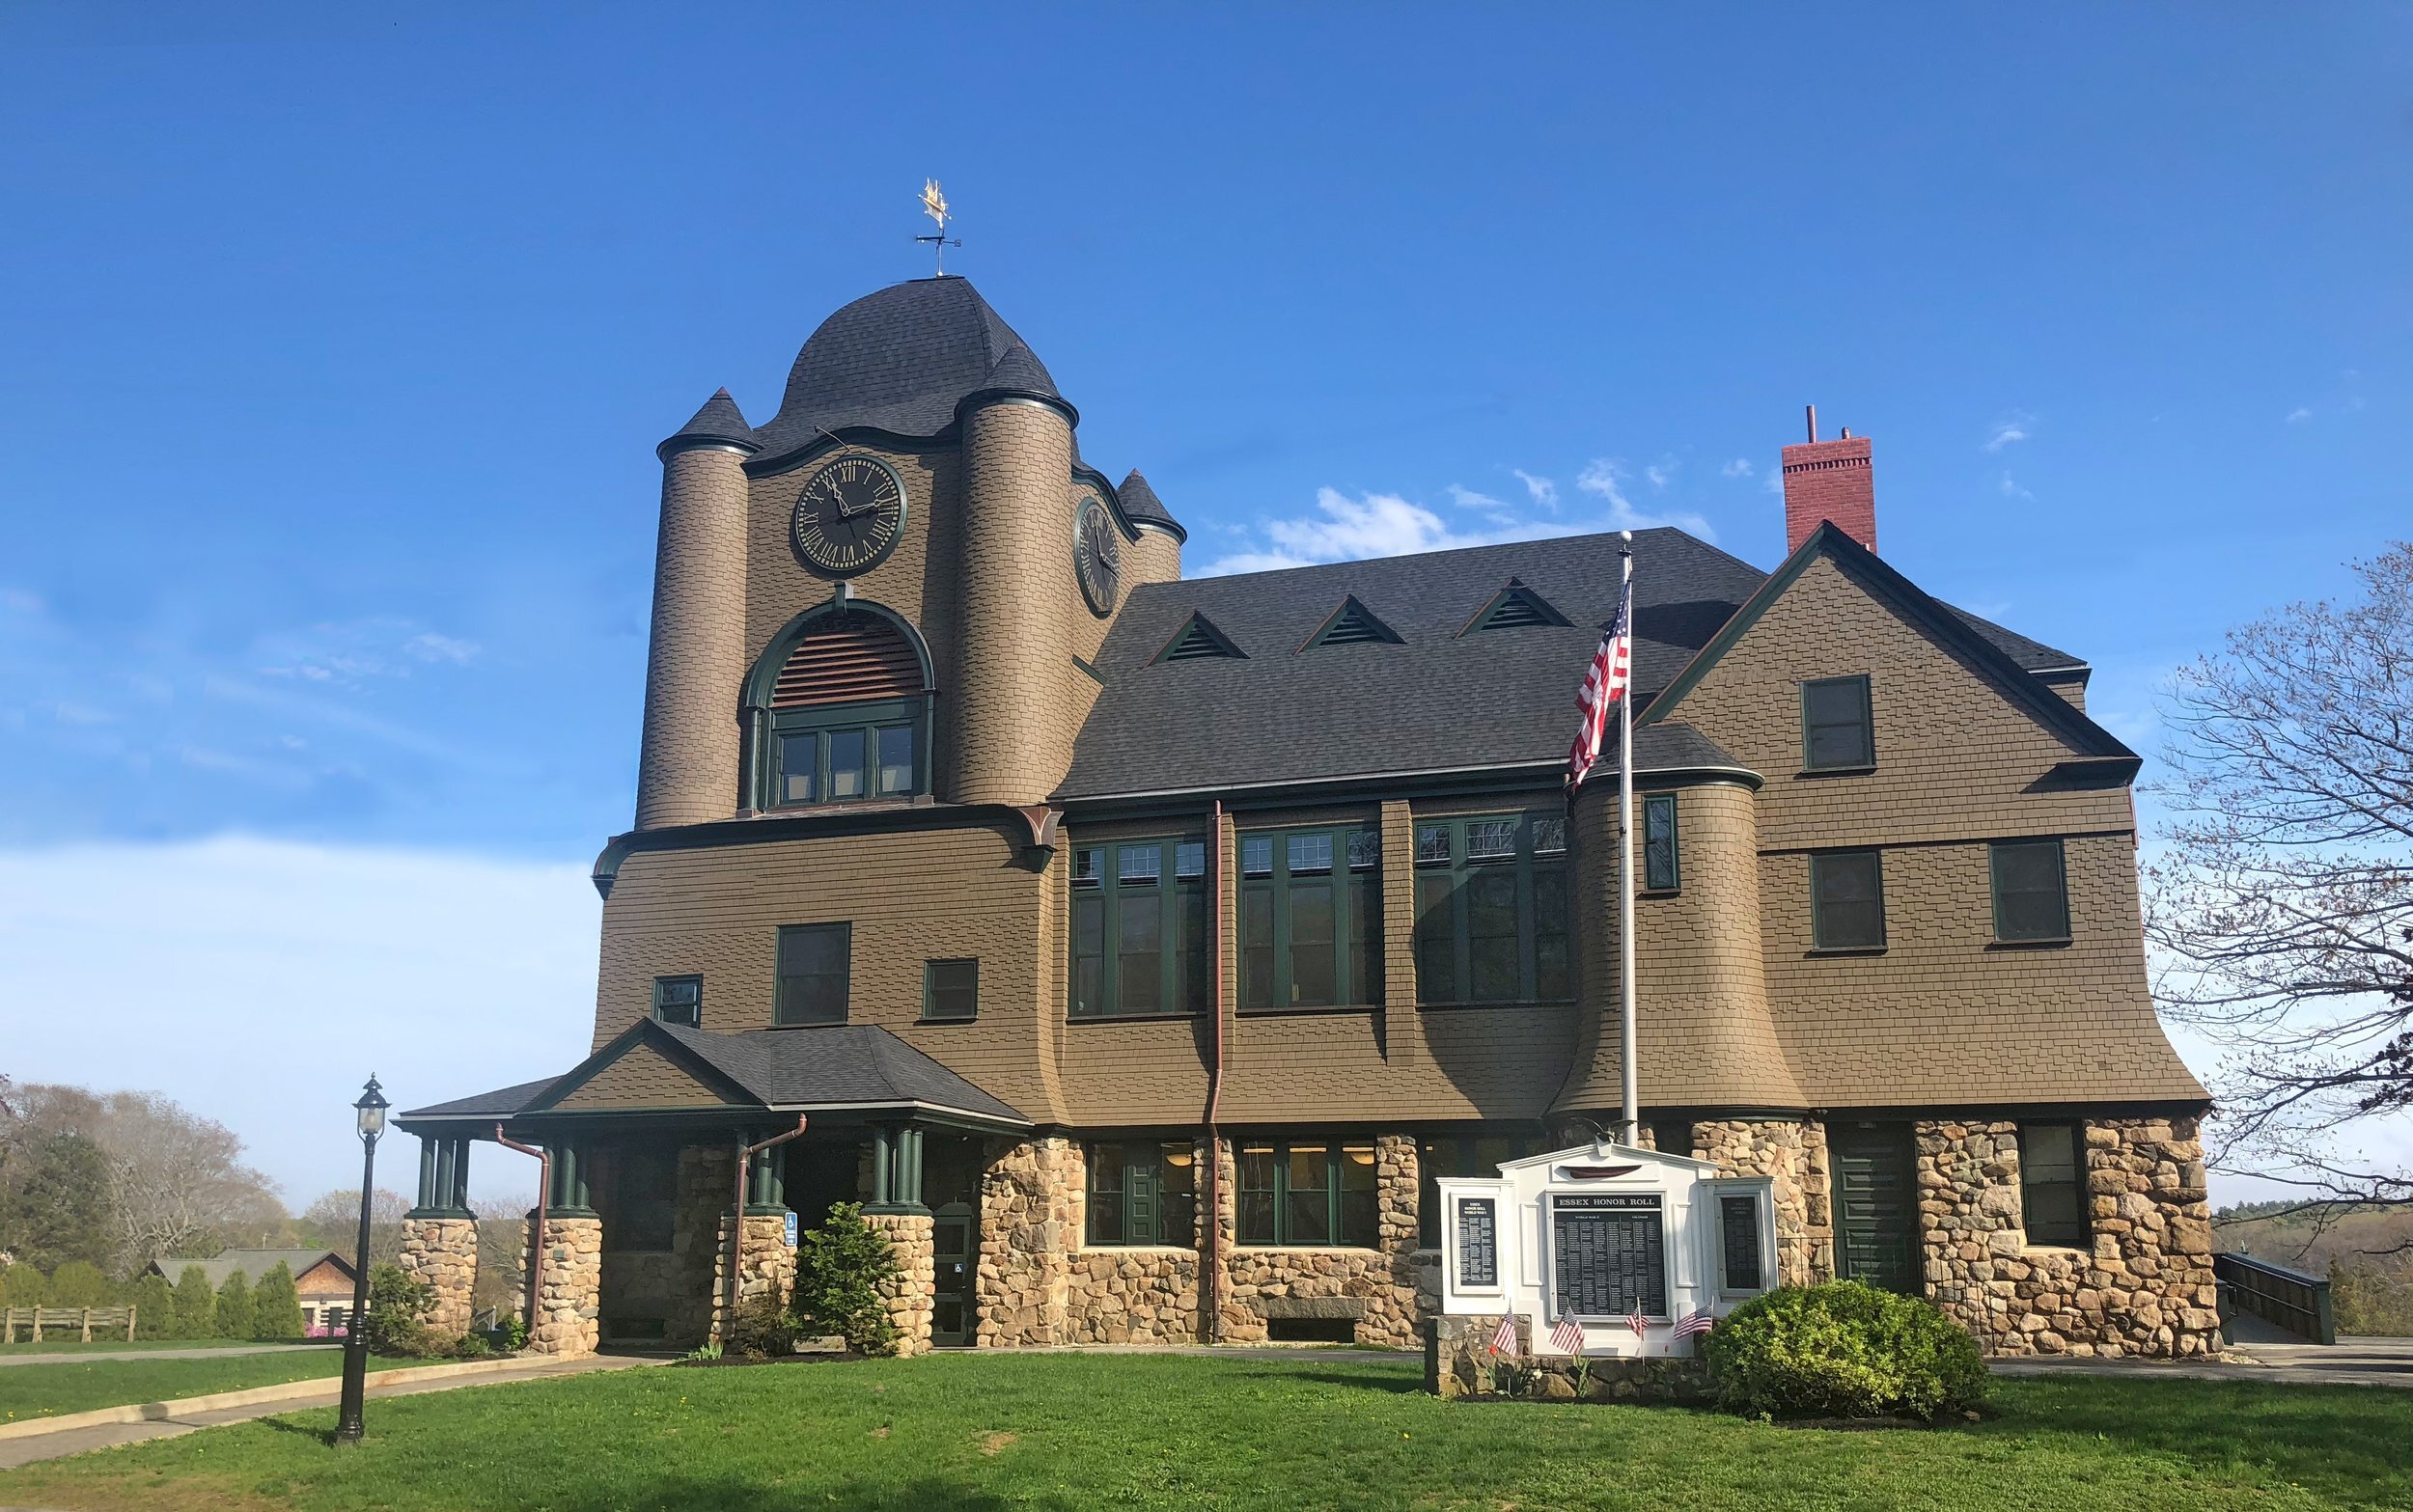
(177, 1184)
(234, 1313)
(276, 1306)
(58, 1209)
(2284, 902)
(334, 1221)
(196, 1306)
(155, 1305)
(79, 1283)
(21, 1286)
(842, 1268)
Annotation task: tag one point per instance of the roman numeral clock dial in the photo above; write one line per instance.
(1096, 556)
(849, 517)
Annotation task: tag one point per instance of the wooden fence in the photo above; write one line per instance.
(42, 1323)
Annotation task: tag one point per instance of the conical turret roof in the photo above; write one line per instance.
(718, 422)
(1141, 504)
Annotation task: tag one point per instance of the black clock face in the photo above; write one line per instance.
(1096, 556)
(849, 517)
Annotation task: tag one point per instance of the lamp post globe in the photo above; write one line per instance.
(369, 1120)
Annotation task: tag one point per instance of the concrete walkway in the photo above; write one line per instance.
(2367, 1361)
(102, 1357)
(76, 1441)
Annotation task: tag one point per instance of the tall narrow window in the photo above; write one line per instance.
(1308, 1193)
(1835, 732)
(2031, 891)
(1846, 900)
(1658, 842)
(679, 1000)
(1139, 928)
(1311, 919)
(815, 962)
(1143, 1194)
(1492, 910)
(2052, 1184)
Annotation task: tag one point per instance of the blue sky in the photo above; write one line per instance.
(333, 349)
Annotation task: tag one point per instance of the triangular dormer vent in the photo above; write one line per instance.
(1515, 606)
(1352, 625)
(1197, 637)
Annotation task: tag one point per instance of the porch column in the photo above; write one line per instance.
(897, 1211)
(569, 1305)
(439, 1235)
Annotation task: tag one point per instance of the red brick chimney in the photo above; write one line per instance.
(1829, 480)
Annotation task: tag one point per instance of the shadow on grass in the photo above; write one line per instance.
(686, 1494)
(1364, 1381)
(2350, 1443)
(325, 1436)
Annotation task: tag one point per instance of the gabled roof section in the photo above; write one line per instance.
(1515, 606)
(253, 1263)
(1352, 625)
(1198, 638)
(646, 1066)
(1960, 632)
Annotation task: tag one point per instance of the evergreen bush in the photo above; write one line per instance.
(841, 1268)
(1842, 1349)
(80, 1283)
(196, 1308)
(235, 1312)
(396, 1325)
(276, 1306)
(155, 1305)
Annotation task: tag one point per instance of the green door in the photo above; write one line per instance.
(1876, 1208)
(955, 1251)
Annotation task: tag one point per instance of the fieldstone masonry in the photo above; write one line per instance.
(1459, 1363)
(908, 1294)
(443, 1252)
(1030, 1222)
(1792, 1154)
(569, 1303)
(768, 1267)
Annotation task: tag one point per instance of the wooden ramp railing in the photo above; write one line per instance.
(2282, 1298)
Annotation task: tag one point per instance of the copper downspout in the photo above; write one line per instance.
(737, 1222)
(1210, 1263)
(536, 1238)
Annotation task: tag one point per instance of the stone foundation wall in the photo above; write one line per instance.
(2144, 1287)
(570, 1300)
(908, 1295)
(1459, 1363)
(443, 1252)
(767, 1268)
(1032, 1209)
(1792, 1153)
(1375, 1287)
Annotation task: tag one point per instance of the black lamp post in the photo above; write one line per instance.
(370, 1118)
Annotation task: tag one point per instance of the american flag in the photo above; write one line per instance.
(1567, 1336)
(1504, 1337)
(1697, 1321)
(1605, 682)
(1639, 1324)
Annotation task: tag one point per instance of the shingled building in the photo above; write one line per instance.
(1138, 950)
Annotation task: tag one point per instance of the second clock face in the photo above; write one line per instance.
(1096, 556)
(849, 517)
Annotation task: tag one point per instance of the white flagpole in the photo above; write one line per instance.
(1629, 1123)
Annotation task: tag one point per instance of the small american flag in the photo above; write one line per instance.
(1697, 1321)
(1567, 1336)
(1605, 682)
(1639, 1324)
(1504, 1337)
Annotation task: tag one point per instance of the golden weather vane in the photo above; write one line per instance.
(935, 206)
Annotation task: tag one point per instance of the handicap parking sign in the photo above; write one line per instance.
(789, 1233)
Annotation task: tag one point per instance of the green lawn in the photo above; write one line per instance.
(988, 1432)
(50, 1391)
(100, 1346)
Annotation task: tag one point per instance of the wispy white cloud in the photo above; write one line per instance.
(2010, 489)
(1740, 467)
(2009, 431)
(2299, 415)
(1662, 472)
(1604, 477)
(1544, 491)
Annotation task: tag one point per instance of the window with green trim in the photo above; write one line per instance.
(1308, 1192)
(841, 754)
(1493, 910)
(1144, 1192)
(2052, 1184)
(814, 964)
(951, 989)
(1311, 919)
(1846, 900)
(1837, 728)
(1442, 1155)
(679, 1000)
(1140, 928)
(1659, 873)
(2031, 891)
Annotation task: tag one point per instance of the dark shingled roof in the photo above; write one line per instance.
(1141, 504)
(718, 422)
(900, 360)
(501, 1103)
(836, 1064)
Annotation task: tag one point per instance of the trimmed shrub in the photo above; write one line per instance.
(155, 1305)
(196, 1309)
(21, 1286)
(276, 1306)
(396, 1325)
(235, 1312)
(841, 1268)
(1842, 1349)
(80, 1283)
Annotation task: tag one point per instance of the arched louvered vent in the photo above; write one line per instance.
(1198, 638)
(1352, 625)
(852, 658)
(1515, 606)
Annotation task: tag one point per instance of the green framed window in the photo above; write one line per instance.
(1139, 926)
(1311, 919)
(2052, 1184)
(1308, 1192)
(1493, 910)
(847, 753)
(951, 989)
(1442, 1155)
(1846, 900)
(1837, 732)
(679, 1000)
(1659, 870)
(816, 962)
(2031, 891)
(1143, 1193)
